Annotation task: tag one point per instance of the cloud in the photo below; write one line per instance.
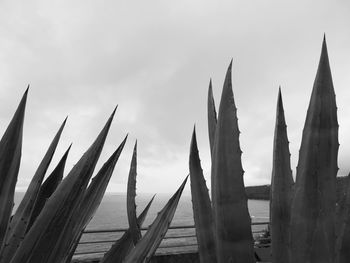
(154, 60)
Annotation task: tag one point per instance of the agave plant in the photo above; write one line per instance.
(21, 218)
(314, 202)
(10, 152)
(281, 193)
(231, 239)
(306, 224)
(91, 200)
(202, 213)
(131, 195)
(48, 223)
(48, 187)
(132, 247)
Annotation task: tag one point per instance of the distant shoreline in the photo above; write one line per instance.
(262, 192)
(259, 192)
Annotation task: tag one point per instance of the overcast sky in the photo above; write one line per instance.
(154, 59)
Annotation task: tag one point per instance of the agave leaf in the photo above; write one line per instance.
(20, 220)
(123, 246)
(10, 158)
(343, 254)
(212, 119)
(234, 241)
(281, 189)
(88, 207)
(48, 228)
(343, 227)
(98, 186)
(342, 203)
(202, 212)
(343, 200)
(313, 208)
(147, 246)
(130, 199)
(48, 187)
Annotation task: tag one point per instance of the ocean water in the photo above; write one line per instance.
(112, 210)
(111, 214)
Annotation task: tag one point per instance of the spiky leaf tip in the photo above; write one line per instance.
(48, 187)
(89, 205)
(313, 208)
(38, 243)
(212, 118)
(147, 246)
(234, 241)
(10, 158)
(281, 188)
(202, 211)
(130, 199)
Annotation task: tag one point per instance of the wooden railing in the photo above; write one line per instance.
(179, 239)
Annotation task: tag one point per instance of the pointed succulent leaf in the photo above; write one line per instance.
(20, 220)
(212, 119)
(141, 218)
(342, 202)
(202, 212)
(343, 226)
(10, 158)
(234, 241)
(48, 187)
(123, 246)
(281, 188)
(47, 230)
(313, 208)
(130, 198)
(68, 258)
(98, 186)
(147, 246)
(83, 215)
